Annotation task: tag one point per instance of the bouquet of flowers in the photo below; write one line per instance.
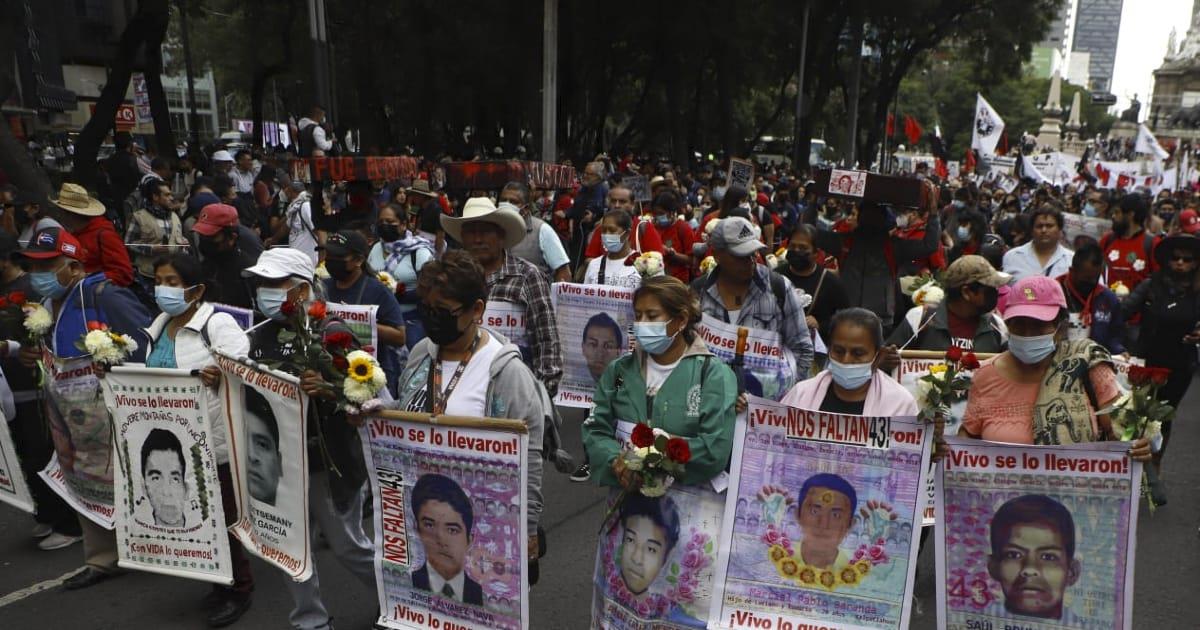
(37, 321)
(1140, 414)
(105, 346)
(923, 289)
(649, 264)
(657, 457)
(945, 384)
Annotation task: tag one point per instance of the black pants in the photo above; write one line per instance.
(31, 438)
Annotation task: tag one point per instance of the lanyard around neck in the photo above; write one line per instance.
(439, 399)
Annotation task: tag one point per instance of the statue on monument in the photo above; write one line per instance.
(1131, 114)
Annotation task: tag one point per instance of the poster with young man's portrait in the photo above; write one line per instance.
(594, 322)
(820, 519)
(268, 459)
(1036, 537)
(450, 523)
(169, 514)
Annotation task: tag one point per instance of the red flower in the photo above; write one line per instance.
(17, 297)
(340, 362)
(1159, 375)
(954, 353)
(970, 361)
(288, 308)
(3, 302)
(339, 339)
(95, 325)
(630, 258)
(642, 436)
(1139, 375)
(678, 450)
(317, 310)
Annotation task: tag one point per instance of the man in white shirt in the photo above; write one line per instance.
(1044, 254)
(244, 173)
(297, 227)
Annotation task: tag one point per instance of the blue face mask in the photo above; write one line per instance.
(964, 233)
(170, 299)
(652, 336)
(1089, 210)
(46, 283)
(663, 220)
(851, 375)
(613, 243)
(270, 303)
(959, 204)
(1031, 350)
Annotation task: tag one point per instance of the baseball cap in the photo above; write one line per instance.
(214, 218)
(736, 235)
(282, 262)
(52, 242)
(1189, 221)
(222, 156)
(345, 243)
(970, 269)
(1037, 296)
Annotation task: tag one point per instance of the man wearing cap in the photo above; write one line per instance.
(285, 276)
(744, 292)
(222, 162)
(154, 230)
(224, 259)
(1129, 248)
(540, 245)
(965, 319)
(297, 230)
(102, 248)
(75, 299)
(488, 234)
(424, 214)
(349, 283)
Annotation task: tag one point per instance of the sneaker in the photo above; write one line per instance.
(41, 530)
(581, 474)
(58, 541)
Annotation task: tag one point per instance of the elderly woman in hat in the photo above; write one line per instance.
(1169, 303)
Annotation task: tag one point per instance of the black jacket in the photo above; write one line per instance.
(472, 591)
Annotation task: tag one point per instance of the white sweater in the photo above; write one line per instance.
(191, 354)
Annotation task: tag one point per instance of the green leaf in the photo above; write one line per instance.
(708, 547)
(286, 336)
(674, 568)
(660, 443)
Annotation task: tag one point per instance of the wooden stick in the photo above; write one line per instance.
(499, 424)
(939, 354)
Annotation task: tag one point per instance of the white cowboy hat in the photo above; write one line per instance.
(481, 209)
(75, 199)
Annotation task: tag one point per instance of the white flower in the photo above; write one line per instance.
(657, 487)
(1119, 289)
(635, 459)
(321, 271)
(712, 225)
(772, 261)
(649, 264)
(1138, 264)
(923, 389)
(804, 298)
(357, 392)
(1113, 255)
(37, 319)
(98, 341)
(708, 264)
(928, 295)
(388, 281)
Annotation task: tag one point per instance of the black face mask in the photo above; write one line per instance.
(798, 261)
(441, 326)
(991, 297)
(388, 232)
(339, 269)
(208, 246)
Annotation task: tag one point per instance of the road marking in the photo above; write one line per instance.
(17, 596)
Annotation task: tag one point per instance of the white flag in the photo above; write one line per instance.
(988, 127)
(1146, 143)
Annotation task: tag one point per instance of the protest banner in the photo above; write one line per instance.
(848, 183)
(598, 317)
(1076, 225)
(889, 189)
(493, 175)
(820, 519)
(656, 556)
(81, 469)
(268, 458)
(360, 319)
(169, 514)
(1036, 537)
(639, 185)
(13, 489)
(741, 173)
(770, 367)
(338, 169)
(508, 319)
(459, 487)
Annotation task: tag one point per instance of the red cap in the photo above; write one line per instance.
(215, 217)
(53, 242)
(1189, 221)
(763, 199)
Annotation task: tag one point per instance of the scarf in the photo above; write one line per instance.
(398, 249)
(1066, 401)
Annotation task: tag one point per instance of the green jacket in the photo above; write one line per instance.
(683, 407)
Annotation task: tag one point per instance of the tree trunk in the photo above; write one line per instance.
(14, 158)
(158, 15)
(258, 83)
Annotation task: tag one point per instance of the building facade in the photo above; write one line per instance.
(1097, 25)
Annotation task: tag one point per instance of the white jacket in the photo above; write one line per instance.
(192, 354)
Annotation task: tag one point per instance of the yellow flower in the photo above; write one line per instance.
(361, 368)
(848, 576)
(789, 567)
(808, 575)
(863, 566)
(827, 579)
(826, 497)
(940, 368)
(777, 553)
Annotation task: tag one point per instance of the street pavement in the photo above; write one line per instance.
(1168, 567)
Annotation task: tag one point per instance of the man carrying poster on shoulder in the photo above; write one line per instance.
(80, 427)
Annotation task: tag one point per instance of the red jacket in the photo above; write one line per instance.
(104, 250)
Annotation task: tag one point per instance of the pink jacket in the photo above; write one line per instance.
(885, 397)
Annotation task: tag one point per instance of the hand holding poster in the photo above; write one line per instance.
(597, 317)
(269, 461)
(770, 369)
(819, 522)
(450, 501)
(169, 515)
(1036, 537)
(13, 489)
(360, 318)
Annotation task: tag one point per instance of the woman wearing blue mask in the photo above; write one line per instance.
(610, 268)
(671, 382)
(183, 337)
(1045, 389)
(852, 382)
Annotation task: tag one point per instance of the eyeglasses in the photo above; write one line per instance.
(1183, 259)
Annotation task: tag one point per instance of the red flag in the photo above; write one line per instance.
(1102, 173)
(1123, 181)
(969, 162)
(891, 125)
(939, 168)
(912, 129)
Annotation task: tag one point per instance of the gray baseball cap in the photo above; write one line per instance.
(736, 235)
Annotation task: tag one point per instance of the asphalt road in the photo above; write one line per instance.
(1168, 567)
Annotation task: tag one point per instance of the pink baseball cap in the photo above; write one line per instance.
(1038, 297)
